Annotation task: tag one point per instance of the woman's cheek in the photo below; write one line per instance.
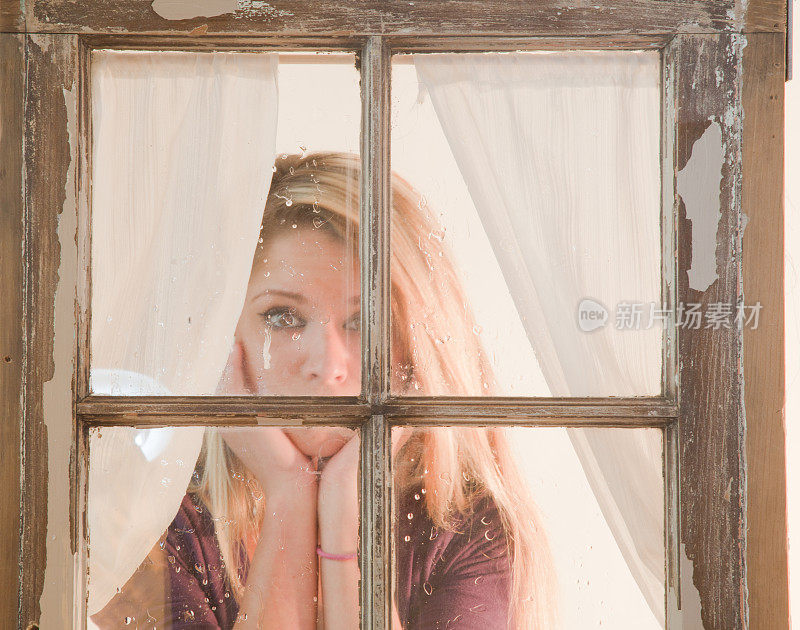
(274, 361)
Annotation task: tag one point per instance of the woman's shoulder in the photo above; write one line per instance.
(198, 579)
(449, 570)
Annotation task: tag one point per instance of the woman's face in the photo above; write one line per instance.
(300, 326)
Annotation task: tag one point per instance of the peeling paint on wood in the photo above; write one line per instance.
(187, 9)
(699, 188)
(400, 17)
(48, 570)
(711, 423)
(12, 316)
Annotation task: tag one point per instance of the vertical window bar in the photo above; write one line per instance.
(374, 234)
(672, 524)
(669, 245)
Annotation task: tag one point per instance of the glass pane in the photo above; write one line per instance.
(526, 231)
(225, 200)
(192, 527)
(555, 528)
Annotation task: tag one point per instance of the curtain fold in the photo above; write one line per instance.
(560, 153)
(183, 148)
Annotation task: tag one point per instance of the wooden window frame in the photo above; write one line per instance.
(722, 408)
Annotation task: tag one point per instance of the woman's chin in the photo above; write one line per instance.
(319, 441)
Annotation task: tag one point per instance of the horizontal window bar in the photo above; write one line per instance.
(241, 43)
(246, 410)
(419, 44)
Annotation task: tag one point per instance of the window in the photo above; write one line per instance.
(718, 95)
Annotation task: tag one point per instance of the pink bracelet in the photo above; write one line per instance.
(336, 556)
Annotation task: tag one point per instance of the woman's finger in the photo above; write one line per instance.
(267, 452)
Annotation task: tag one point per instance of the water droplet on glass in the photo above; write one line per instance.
(410, 516)
(423, 491)
(274, 169)
(478, 579)
(296, 336)
(490, 535)
(476, 329)
(128, 620)
(205, 582)
(318, 223)
(478, 608)
(427, 588)
(407, 539)
(416, 497)
(434, 533)
(198, 567)
(288, 202)
(486, 521)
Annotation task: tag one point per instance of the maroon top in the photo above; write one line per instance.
(446, 580)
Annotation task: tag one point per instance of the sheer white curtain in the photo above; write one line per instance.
(183, 148)
(560, 152)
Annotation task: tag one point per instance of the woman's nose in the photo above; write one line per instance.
(327, 357)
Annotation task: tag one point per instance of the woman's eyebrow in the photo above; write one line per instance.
(280, 293)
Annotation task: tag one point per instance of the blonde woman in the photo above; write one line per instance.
(268, 531)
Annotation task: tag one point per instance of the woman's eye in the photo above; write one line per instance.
(353, 322)
(283, 318)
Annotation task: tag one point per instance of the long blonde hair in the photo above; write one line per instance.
(435, 351)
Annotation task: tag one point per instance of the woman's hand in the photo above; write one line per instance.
(267, 452)
(337, 501)
(281, 586)
(338, 494)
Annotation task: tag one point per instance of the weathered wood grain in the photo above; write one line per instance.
(711, 423)
(12, 316)
(12, 16)
(375, 525)
(401, 17)
(760, 13)
(49, 168)
(622, 412)
(762, 269)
